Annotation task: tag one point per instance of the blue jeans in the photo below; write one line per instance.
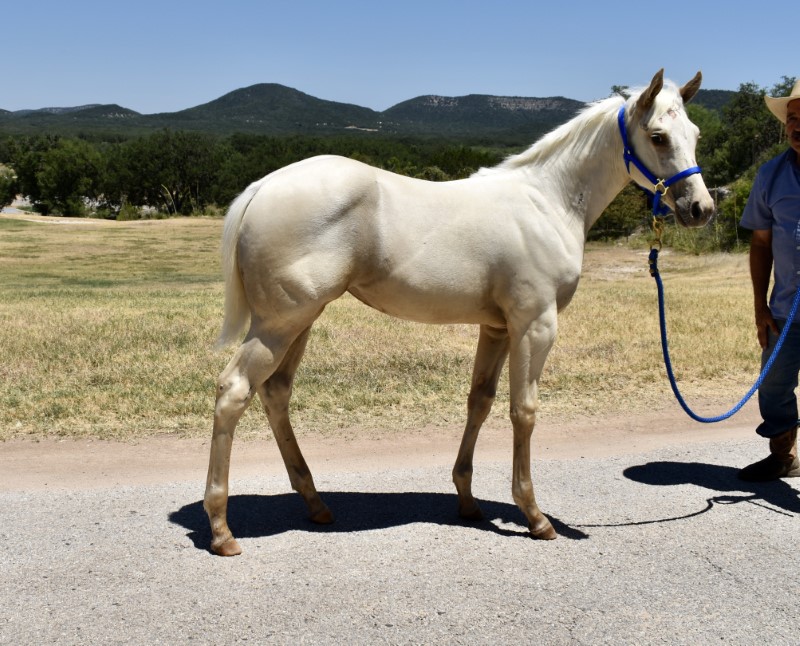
(776, 397)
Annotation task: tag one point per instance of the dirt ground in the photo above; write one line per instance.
(88, 464)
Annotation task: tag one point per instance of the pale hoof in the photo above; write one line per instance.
(228, 548)
(543, 531)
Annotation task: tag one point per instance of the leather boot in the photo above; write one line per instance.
(782, 461)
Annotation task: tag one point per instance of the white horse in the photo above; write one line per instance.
(502, 249)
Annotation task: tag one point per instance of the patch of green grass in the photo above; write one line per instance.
(7, 224)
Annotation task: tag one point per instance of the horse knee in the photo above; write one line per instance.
(233, 396)
(523, 417)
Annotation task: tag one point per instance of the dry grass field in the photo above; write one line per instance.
(107, 330)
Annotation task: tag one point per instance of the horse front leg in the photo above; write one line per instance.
(489, 359)
(528, 354)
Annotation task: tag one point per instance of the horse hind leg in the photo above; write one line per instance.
(253, 363)
(275, 394)
(491, 354)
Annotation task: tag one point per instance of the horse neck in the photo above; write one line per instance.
(586, 165)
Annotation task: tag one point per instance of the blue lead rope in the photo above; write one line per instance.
(659, 189)
(664, 347)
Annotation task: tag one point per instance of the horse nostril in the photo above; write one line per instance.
(699, 212)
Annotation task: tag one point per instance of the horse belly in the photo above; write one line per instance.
(435, 304)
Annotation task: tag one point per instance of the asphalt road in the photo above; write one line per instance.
(662, 547)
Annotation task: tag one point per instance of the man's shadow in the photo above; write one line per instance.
(253, 516)
(777, 495)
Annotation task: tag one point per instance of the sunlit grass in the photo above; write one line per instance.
(107, 330)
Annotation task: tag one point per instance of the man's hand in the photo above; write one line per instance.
(764, 323)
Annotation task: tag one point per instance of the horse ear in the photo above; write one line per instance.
(648, 97)
(690, 89)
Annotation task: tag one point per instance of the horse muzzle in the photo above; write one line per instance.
(692, 213)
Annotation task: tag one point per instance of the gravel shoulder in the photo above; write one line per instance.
(659, 542)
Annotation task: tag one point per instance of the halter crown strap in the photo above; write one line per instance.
(660, 186)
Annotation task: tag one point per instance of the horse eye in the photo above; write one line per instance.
(657, 139)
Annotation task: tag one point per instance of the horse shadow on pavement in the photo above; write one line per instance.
(256, 516)
(777, 496)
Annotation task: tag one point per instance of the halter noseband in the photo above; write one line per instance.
(660, 186)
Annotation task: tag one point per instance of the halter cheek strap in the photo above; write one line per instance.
(660, 186)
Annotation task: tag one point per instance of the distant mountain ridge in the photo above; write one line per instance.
(273, 109)
(270, 108)
(78, 108)
(491, 115)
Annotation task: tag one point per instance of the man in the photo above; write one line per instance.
(773, 214)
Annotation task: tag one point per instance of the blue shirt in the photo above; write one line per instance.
(774, 204)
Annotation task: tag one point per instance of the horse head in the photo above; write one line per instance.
(664, 141)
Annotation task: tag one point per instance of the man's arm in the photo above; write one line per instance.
(760, 272)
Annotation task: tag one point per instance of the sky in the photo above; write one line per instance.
(164, 56)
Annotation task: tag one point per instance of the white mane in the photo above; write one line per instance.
(579, 133)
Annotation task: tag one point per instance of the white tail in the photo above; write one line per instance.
(237, 309)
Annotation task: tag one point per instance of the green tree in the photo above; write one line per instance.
(748, 132)
(433, 174)
(67, 177)
(8, 185)
(172, 170)
(458, 162)
(709, 157)
(116, 181)
(27, 162)
(8, 150)
(729, 213)
(625, 214)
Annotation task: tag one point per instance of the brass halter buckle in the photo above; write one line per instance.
(658, 230)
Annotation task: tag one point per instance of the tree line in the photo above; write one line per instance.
(186, 173)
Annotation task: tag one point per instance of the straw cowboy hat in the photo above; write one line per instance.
(778, 105)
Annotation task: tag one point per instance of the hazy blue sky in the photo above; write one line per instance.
(166, 56)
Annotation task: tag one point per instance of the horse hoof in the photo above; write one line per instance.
(473, 513)
(322, 517)
(228, 548)
(543, 531)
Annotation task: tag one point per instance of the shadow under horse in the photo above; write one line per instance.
(259, 516)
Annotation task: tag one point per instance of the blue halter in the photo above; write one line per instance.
(660, 186)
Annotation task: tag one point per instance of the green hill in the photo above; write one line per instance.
(272, 109)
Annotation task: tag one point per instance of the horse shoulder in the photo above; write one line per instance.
(545, 259)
